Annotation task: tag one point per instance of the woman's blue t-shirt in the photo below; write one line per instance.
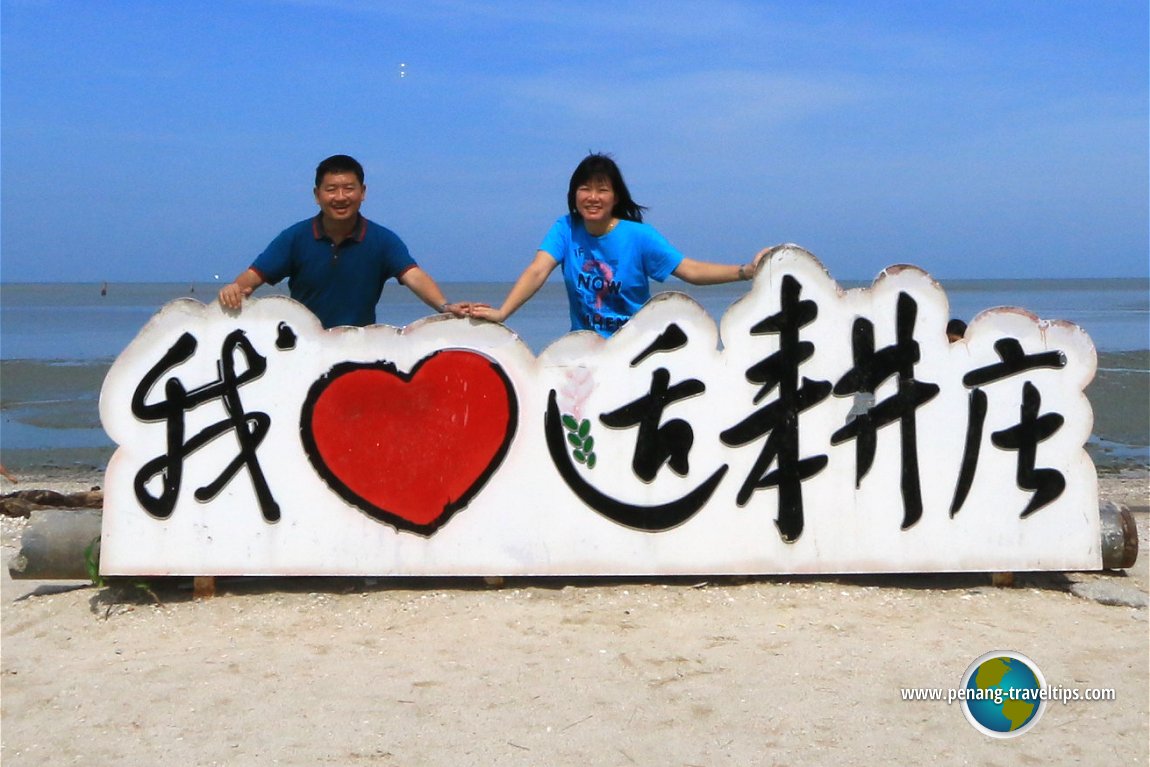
(607, 276)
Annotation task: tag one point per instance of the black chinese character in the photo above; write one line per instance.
(870, 369)
(779, 421)
(1013, 361)
(649, 518)
(657, 444)
(250, 427)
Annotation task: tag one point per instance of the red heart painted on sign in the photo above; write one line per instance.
(410, 449)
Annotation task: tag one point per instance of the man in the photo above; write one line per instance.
(337, 262)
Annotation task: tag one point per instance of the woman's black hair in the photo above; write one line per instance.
(602, 166)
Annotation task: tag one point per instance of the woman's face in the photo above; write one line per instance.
(595, 201)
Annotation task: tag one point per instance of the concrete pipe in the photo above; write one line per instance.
(53, 544)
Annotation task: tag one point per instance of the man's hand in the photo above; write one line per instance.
(232, 296)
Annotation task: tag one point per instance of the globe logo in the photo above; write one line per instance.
(1003, 694)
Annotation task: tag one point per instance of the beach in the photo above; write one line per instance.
(564, 671)
(779, 670)
(791, 450)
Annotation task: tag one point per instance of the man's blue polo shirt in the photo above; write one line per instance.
(340, 284)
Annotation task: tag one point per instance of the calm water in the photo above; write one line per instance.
(58, 340)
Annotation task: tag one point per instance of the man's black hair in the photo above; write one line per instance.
(338, 163)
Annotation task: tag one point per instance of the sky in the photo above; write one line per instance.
(158, 141)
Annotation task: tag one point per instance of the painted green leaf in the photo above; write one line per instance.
(575, 441)
(585, 428)
(570, 423)
(589, 444)
(579, 456)
(590, 460)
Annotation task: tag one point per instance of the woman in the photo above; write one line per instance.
(608, 255)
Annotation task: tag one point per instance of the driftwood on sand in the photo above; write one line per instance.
(23, 502)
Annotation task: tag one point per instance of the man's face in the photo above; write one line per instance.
(339, 196)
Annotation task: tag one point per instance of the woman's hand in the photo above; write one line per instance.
(526, 286)
(461, 309)
(485, 312)
(758, 257)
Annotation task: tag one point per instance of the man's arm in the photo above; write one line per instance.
(232, 296)
(422, 285)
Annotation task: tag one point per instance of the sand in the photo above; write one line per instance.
(760, 671)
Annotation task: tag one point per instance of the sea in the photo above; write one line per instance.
(58, 340)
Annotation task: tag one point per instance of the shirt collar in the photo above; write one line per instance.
(357, 234)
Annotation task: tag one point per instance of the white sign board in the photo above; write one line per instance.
(815, 430)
